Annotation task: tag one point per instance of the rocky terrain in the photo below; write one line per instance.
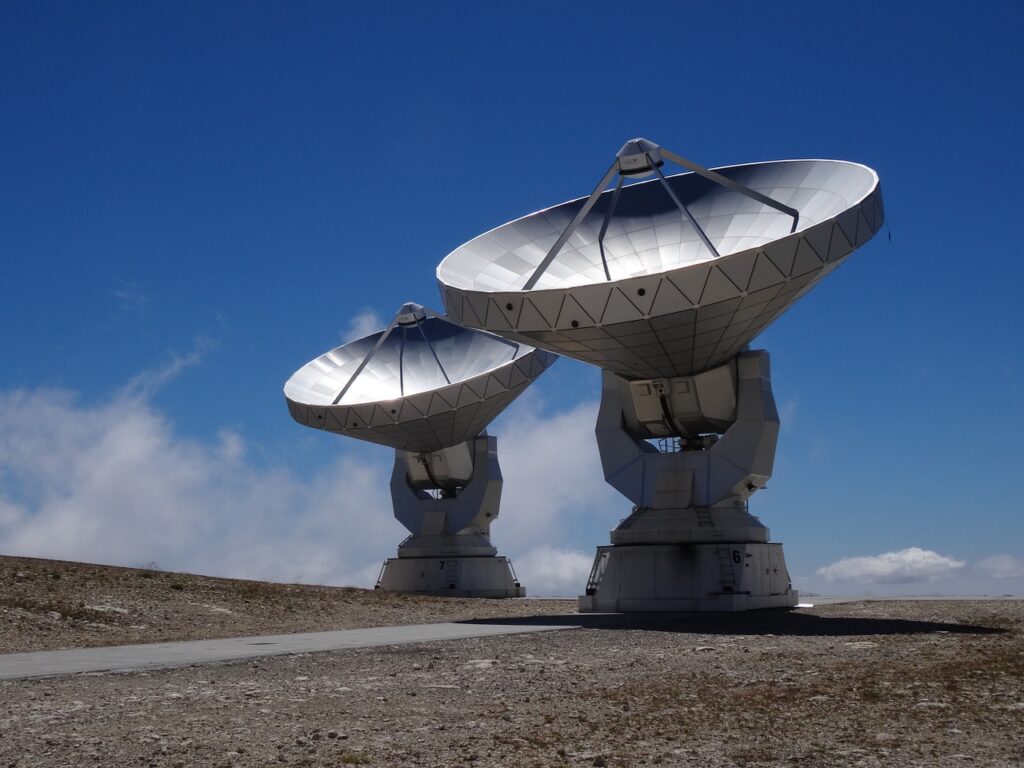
(902, 683)
(49, 604)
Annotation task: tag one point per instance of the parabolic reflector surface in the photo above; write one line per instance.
(668, 305)
(422, 384)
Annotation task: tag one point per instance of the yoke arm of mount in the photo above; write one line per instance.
(735, 186)
(567, 232)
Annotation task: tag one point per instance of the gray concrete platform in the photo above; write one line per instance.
(132, 658)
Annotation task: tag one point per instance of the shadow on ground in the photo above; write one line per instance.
(767, 622)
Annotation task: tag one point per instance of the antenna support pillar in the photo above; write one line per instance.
(447, 500)
(690, 543)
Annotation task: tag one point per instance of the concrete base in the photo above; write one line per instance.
(725, 576)
(451, 576)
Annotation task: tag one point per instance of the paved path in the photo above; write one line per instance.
(126, 658)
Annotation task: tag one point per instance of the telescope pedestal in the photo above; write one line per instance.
(450, 576)
(688, 577)
(691, 543)
(447, 500)
(716, 559)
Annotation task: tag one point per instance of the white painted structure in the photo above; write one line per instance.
(428, 388)
(448, 500)
(690, 543)
(663, 284)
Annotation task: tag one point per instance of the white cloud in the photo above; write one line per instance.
(554, 489)
(113, 482)
(1000, 567)
(144, 385)
(548, 571)
(908, 565)
(363, 324)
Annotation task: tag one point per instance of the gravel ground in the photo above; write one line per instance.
(50, 604)
(935, 683)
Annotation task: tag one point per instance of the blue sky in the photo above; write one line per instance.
(198, 198)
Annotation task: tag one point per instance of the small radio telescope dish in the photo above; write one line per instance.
(665, 277)
(428, 388)
(663, 283)
(421, 384)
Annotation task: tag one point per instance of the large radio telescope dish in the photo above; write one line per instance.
(422, 384)
(666, 277)
(663, 284)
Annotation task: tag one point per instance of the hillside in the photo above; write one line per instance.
(50, 604)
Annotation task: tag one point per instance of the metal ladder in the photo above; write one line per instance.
(598, 569)
(451, 572)
(726, 573)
